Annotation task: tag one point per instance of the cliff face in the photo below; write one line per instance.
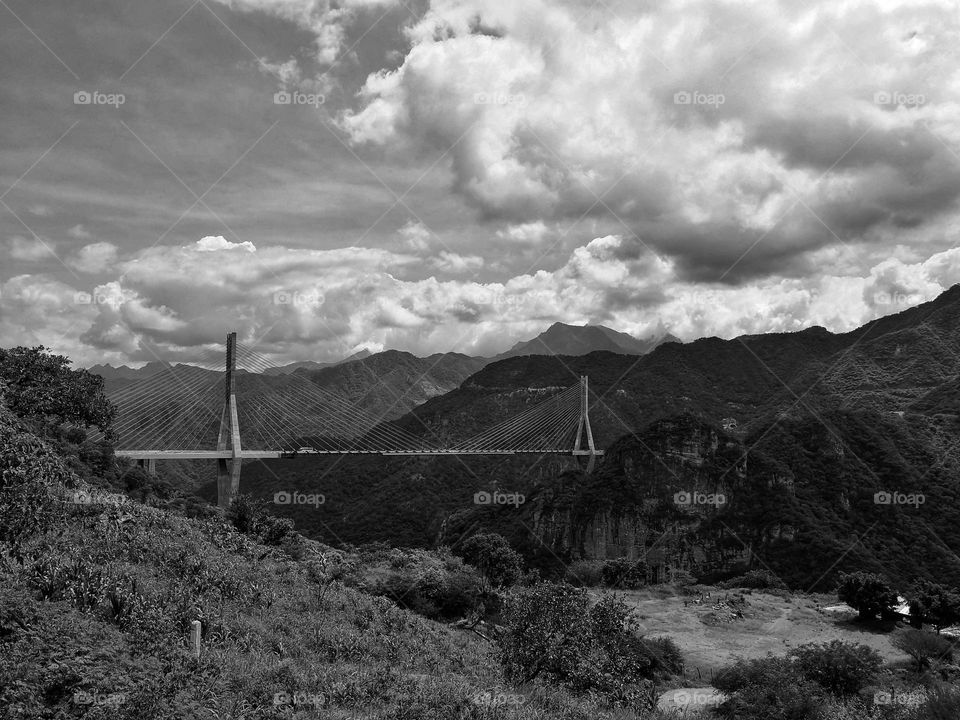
(661, 496)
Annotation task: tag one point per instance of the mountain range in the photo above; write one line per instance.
(799, 430)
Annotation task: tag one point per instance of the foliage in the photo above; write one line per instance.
(30, 475)
(761, 579)
(867, 593)
(43, 386)
(923, 647)
(555, 635)
(935, 604)
(839, 667)
(584, 573)
(499, 564)
(245, 513)
(624, 574)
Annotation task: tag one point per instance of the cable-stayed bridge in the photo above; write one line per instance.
(187, 412)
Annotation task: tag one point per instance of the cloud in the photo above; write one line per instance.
(416, 236)
(93, 258)
(79, 232)
(20, 248)
(531, 233)
(735, 153)
(216, 243)
(453, 263)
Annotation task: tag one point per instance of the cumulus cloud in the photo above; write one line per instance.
(736, 154)
(213, 243)
(96, 257)
(326, 304)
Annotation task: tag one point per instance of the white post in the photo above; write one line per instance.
(195, 636)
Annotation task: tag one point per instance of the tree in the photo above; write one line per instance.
(868, 594)
(42, 387)
(499, 564)
(923, 646)
(934, 604)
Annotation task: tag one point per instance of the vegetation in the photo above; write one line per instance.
(923, 647)
(499, 564)
(934, 604)
(868, 594)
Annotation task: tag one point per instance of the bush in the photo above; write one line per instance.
(556, 636)
(584, 573)
(624, 574)
(868, 594)
(942, 703)
(274, 530)
(499, 564)
(923, 646)
(839, 667)
(31, 476)
(245, 513)
(757, 580)
(768, 689)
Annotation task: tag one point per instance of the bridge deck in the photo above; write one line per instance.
(287, 454)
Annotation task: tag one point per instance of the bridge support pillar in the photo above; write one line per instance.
(150, 465)
(228, 477)
(584, 426)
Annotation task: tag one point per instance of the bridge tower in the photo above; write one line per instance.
(583, 427)
(228, 471)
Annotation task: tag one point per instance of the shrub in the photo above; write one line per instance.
(757, 580)
(839, 667)
(274, 530)
(555, 635)
(584, 573)
(768, 689)
(499, 564)
(868, 594)
(923, 646)
(942, 703)
(623, 573)
(245, 513)
(30, 477)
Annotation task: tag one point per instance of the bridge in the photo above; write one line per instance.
(191, 412)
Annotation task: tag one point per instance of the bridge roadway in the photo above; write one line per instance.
(288, 454)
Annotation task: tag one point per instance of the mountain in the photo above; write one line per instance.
(800, 429)
(390, 384)
(563, 339)
(307, 365)
(124, 372)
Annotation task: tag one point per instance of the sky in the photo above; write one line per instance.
(457, 175)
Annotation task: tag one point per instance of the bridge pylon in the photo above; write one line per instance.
(583, 427)
(228, 470)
